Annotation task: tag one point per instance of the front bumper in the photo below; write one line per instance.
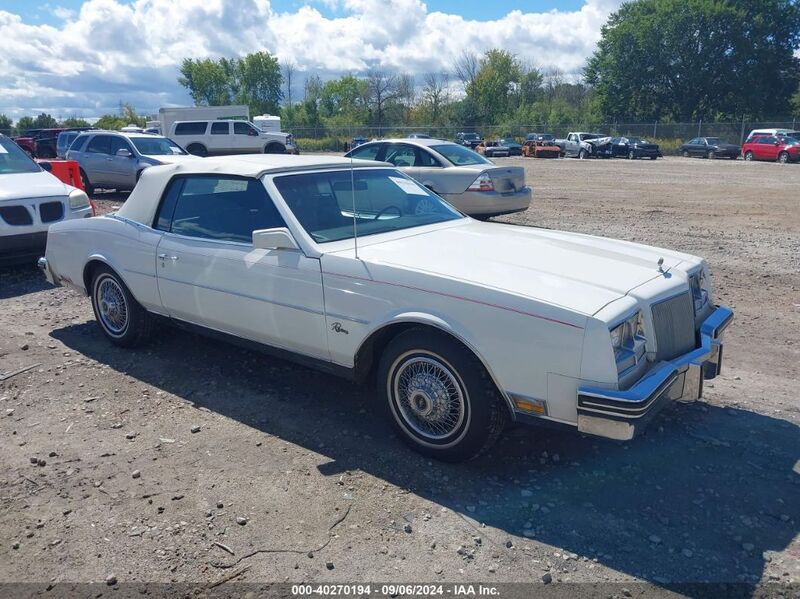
(621, 415)
(21, 248)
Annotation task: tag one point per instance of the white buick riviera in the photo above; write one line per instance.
(355, 268)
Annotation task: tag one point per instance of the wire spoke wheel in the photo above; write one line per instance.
(111, 306)
(429, 397)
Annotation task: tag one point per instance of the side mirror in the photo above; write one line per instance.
(777, 143)
(124, 153)
(278, 238)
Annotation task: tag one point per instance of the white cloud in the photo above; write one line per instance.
(112, 51)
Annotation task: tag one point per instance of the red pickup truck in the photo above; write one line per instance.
(39, 143)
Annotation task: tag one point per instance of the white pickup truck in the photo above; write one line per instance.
(585, 145)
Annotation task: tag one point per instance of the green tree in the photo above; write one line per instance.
(44, 121)
(24, 124)
(254, 80)
(75, 122)
(5, 124)
(344, 100)
(689, 59)
(795, 101)
(497, 80)
(111, 121)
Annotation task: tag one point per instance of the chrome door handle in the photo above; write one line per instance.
(164, 257)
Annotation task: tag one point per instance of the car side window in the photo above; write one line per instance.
(425, 158)
(100, 144)
(241, 128)
(220, 128)
(220, 208)
(367, 152)
(117, 143)
(191, 128)
(401, 155)
(79, 144)
(767, 141)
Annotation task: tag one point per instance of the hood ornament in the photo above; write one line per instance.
(661, 266)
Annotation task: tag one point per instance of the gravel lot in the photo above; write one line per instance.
(295, 475)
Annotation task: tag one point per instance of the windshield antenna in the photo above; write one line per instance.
(353, 191)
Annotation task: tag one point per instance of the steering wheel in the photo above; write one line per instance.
(386, 209)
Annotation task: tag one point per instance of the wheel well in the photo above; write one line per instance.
(274, 145)
(88, 273)
(369, 354)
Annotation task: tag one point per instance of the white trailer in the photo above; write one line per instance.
(167, 116)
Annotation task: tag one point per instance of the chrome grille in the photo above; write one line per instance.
(673, 320)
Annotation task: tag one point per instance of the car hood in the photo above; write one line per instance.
(578, 272)
(14, 186)
(172, 158)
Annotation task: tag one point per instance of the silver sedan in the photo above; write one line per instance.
(467, 180)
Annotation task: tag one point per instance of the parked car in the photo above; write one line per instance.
(633, 147)
(783, 132)
(540, 148)
(778, 148)
(31, 199)
(39, 143)
(514, 148)
(357, 141)
(540, 137)
(469, 140)
(216, 138)
(418, 136)
(461, 176)
(65, 139)
(709, 147)
(115, 160)
(464, 325)
(585, 145)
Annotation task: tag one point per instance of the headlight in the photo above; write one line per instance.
(78, 200)
(700, 285)
(628, 342)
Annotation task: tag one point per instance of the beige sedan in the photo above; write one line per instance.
(467, 180)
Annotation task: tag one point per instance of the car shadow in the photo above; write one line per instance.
(704, 495)
(21, 279)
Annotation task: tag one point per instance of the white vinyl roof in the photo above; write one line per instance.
(142, 204)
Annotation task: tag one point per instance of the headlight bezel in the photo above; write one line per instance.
(700, 286)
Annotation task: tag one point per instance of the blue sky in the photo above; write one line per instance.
(38, 12)
(104, 52)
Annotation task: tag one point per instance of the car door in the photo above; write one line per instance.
(210, 274)
(246, 139)
(430, 171)
(220, 137)
(766, 148)
(573, 145)
(403, 156)
(98, 161)
(122, 169)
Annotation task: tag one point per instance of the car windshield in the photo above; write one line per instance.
(585, 136)
(506, 141)
(156, 146)
(789, 140)
(459, 155)
(713, 141)
(384, 200)
(471, 136)
(14, 160)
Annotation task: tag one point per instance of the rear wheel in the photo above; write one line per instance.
(197, 150)
(631, 155)
(439, 396)
(121, 318)
(748, 156)
(87, 186)
(583, 154)
(685, 153)
(783, 157)
(711, 155)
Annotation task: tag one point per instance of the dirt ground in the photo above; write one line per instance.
(295, 475)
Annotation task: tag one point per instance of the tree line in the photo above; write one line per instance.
(657, 60)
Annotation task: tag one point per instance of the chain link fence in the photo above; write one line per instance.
(670, 135)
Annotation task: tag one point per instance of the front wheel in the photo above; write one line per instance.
(439, 396)
(87, 186)
(197, 150)
(685, 153)
(711, 155)
(783, 157)
(274, 149)
(121, 318)
(631, 155)
(583, 154)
